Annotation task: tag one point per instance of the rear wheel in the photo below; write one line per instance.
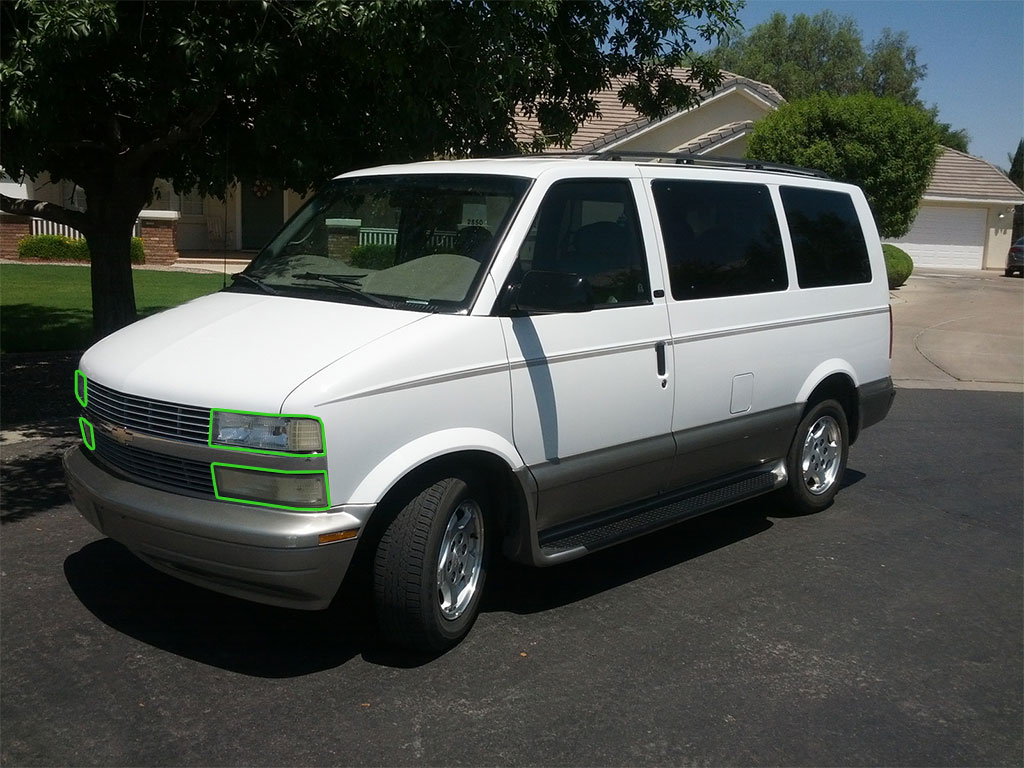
(431, 564)
(817, 458)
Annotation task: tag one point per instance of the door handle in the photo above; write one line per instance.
(659, 351)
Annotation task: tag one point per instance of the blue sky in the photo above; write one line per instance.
(974, 50)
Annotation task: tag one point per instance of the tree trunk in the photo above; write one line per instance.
(113, 293)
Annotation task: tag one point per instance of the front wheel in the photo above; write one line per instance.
(817, 458)
(430, 566)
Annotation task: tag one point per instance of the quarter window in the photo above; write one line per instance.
(828, 242)
(589, 227)
(721, 239)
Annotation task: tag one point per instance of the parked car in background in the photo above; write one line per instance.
(1015, 259)
(441, 362)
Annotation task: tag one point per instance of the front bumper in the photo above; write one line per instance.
(256, 553)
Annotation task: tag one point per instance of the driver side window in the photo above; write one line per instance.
(589, 227)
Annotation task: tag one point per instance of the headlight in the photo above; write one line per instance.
(264, 432)
(303, 491)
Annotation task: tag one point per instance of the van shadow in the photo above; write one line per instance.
(263, 641)
(221, 631)
(525, 590)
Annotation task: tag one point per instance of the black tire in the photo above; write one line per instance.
(816, 460)
(422, 602)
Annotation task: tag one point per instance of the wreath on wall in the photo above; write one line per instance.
(261, 188)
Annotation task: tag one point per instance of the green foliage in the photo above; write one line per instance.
(112, 95)
(61, 248)
(808, 56)
(1016, 173)
(898, 265)
(373, 256)
(885, 147)
(799, 58)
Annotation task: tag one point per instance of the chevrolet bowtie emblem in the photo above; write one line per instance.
(121, 435)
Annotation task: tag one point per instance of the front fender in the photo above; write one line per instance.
(383, 477)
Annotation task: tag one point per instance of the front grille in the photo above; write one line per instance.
(156, 467)
(187, 423)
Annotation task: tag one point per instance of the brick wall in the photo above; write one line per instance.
(160, 241)
(12, 229)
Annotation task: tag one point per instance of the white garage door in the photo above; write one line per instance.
(953, 238)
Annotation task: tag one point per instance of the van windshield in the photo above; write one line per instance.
(420, 242)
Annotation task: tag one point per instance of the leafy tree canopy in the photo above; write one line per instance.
(1016, 173)
(825, 53)
(883, 145)
(112, 95)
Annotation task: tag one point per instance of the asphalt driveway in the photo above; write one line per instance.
(887, 630)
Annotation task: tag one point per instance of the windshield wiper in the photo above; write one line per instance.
(257, 282)
(340, 282)
(348, 279)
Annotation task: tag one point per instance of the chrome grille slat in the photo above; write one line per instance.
(186, 424)
(159, 418)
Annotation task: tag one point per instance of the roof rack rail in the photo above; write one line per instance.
(711, 162)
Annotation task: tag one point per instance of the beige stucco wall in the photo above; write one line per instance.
(730, 107)
(1000, 234)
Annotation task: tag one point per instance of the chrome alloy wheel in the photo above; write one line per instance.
(822, 455)
(460, 559)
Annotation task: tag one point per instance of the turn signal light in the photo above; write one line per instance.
(330, 538)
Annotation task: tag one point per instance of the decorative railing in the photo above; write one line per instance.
(44, 227)
(383, 236)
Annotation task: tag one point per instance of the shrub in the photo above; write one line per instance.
(61, 248)
(373, 256)
(886, 147)
(898, 265)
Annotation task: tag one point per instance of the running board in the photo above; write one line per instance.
(566, 542)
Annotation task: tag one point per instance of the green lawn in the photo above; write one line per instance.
(47, 308)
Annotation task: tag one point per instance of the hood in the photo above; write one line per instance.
(236, 350)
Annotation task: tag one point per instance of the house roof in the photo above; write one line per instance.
(717, 136)
(958, 176)
(615, 121)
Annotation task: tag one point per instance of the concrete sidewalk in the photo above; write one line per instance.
(959, 330)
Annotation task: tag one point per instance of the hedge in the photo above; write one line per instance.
(898, 265)
(61, 248)
(373, 256)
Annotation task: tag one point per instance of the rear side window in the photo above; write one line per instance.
(721, 239)
(828, 241)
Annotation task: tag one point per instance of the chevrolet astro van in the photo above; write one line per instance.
(438, 363)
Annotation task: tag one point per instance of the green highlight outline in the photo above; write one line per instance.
(327, 487)
(84, 399)
(90, 441)
(268, 451)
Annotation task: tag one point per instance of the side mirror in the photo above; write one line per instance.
(545, 293)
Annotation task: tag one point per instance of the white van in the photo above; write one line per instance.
(441, 362)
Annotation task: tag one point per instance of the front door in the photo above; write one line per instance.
(592, 398)
(262, 213)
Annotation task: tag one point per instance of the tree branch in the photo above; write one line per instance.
(41, 210)
(176, 134)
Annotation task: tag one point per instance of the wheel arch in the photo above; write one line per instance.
(839, 383)
(456, 452)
